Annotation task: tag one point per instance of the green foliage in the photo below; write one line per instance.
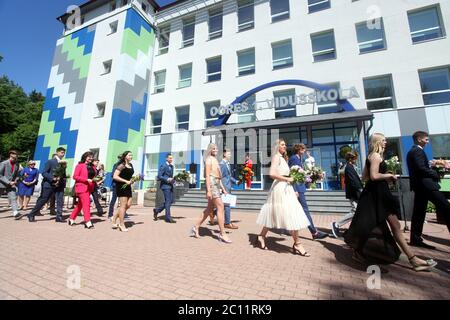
(343, 151)
(20, 116)
(431, 207)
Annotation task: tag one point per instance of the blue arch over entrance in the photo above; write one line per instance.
(344, 103)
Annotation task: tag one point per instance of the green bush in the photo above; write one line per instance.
(431, 207)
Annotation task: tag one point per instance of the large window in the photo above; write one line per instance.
(209, 119)
(279, 10)
(214, 69)
(425, 24)
(246, 61)
(249, 115)
(155, 121)
(188, 32)
(164, 37)
(435, 85)
(185, 75)
(285, 104)
(370, 37)
(152, 166)
(440, 146)
(323, 46)
(215, 23)
(182, 118)
(282, 54)
(246, 15)
(317, 5)
(160, 81)
(379, 92)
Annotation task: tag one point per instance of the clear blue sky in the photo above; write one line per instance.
(28, 34)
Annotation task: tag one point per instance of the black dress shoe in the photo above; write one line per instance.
(421, 244)
(319, 235)
(31, 219)
(155, 215)
(171, 221)
(19, 216)
(58, 219)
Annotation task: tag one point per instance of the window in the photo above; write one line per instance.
(246, 15)
(144, 7)
(370, 37)
(96, 153)
(82, 20)
(329, 106)
(185, 75)
(113, 27)
(425, 24)
(155, 121)
(160, 81)
(379, 92)
(249, 115)
(282, 54)
(152, 166)
(440, 146)
(107, 66)
(188, 32)
(435, 85)
(113, 6)
(100, 112)
(392, 148)
(124, 2)
(164, 36)
(182, 118)
(215, 23)
(323, 46)
(317, 5)
(285, 102)
(279, 10)
(246, 61)
(211, 106)
(214, 69)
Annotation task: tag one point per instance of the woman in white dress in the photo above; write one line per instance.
(282, 209)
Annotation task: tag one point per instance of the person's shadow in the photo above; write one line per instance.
(445, 242)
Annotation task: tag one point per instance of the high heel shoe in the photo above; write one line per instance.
(123, 228)
(114, 225)
(222, 239)
(297, 251)
(194, 232)
(70, 222)
(430, 263)
(261, 244)
(89, 225)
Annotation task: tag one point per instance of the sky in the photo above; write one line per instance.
(28, 34)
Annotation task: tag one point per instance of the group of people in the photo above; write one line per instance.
(374, 230)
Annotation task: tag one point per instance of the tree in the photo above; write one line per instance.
(20, 116)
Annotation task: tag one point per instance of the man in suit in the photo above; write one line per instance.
(51, 186)
(353, 189)
(424, 181)
(300, 189)
(165, 176)
(9, 174)
(227, 181)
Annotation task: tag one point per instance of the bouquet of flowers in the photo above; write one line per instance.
(182, 176)
(133, 179)
(245, 174)
(299, 175)
(97, 179)
(60, 172)
(315, 174)
(442, 167)
(393, 165)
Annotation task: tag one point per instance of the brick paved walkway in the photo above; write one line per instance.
(156, 260)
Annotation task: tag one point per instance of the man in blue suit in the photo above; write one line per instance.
(165, 176)
(300, 189)
(51, 186)
(227, 181)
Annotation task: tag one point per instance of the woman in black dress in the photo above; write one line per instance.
(378, 210)
(122, 176)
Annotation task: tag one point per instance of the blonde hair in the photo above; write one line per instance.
(206, 155)
(375, 144)
(276, 147)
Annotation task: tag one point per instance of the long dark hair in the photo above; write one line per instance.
(124, 155)
(85, 155)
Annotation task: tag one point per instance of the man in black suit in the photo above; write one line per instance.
(51, 186)
(424, 181)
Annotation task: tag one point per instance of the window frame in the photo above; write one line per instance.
(392, 97)
(285, 109)
(240, 52)
(152, 126)
(212, 13)
(285, 15)
(188, 42)
(211, 103)
(156, 86)
(180, 80)
(371, 41)
(178, 123)
(213, 73)
(291, 57)
(440, 21)
(318, 3)
(421, 71)
(325, 51)
(249, 24)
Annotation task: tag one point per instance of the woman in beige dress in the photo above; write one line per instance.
(214, 188)
(282, 209)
